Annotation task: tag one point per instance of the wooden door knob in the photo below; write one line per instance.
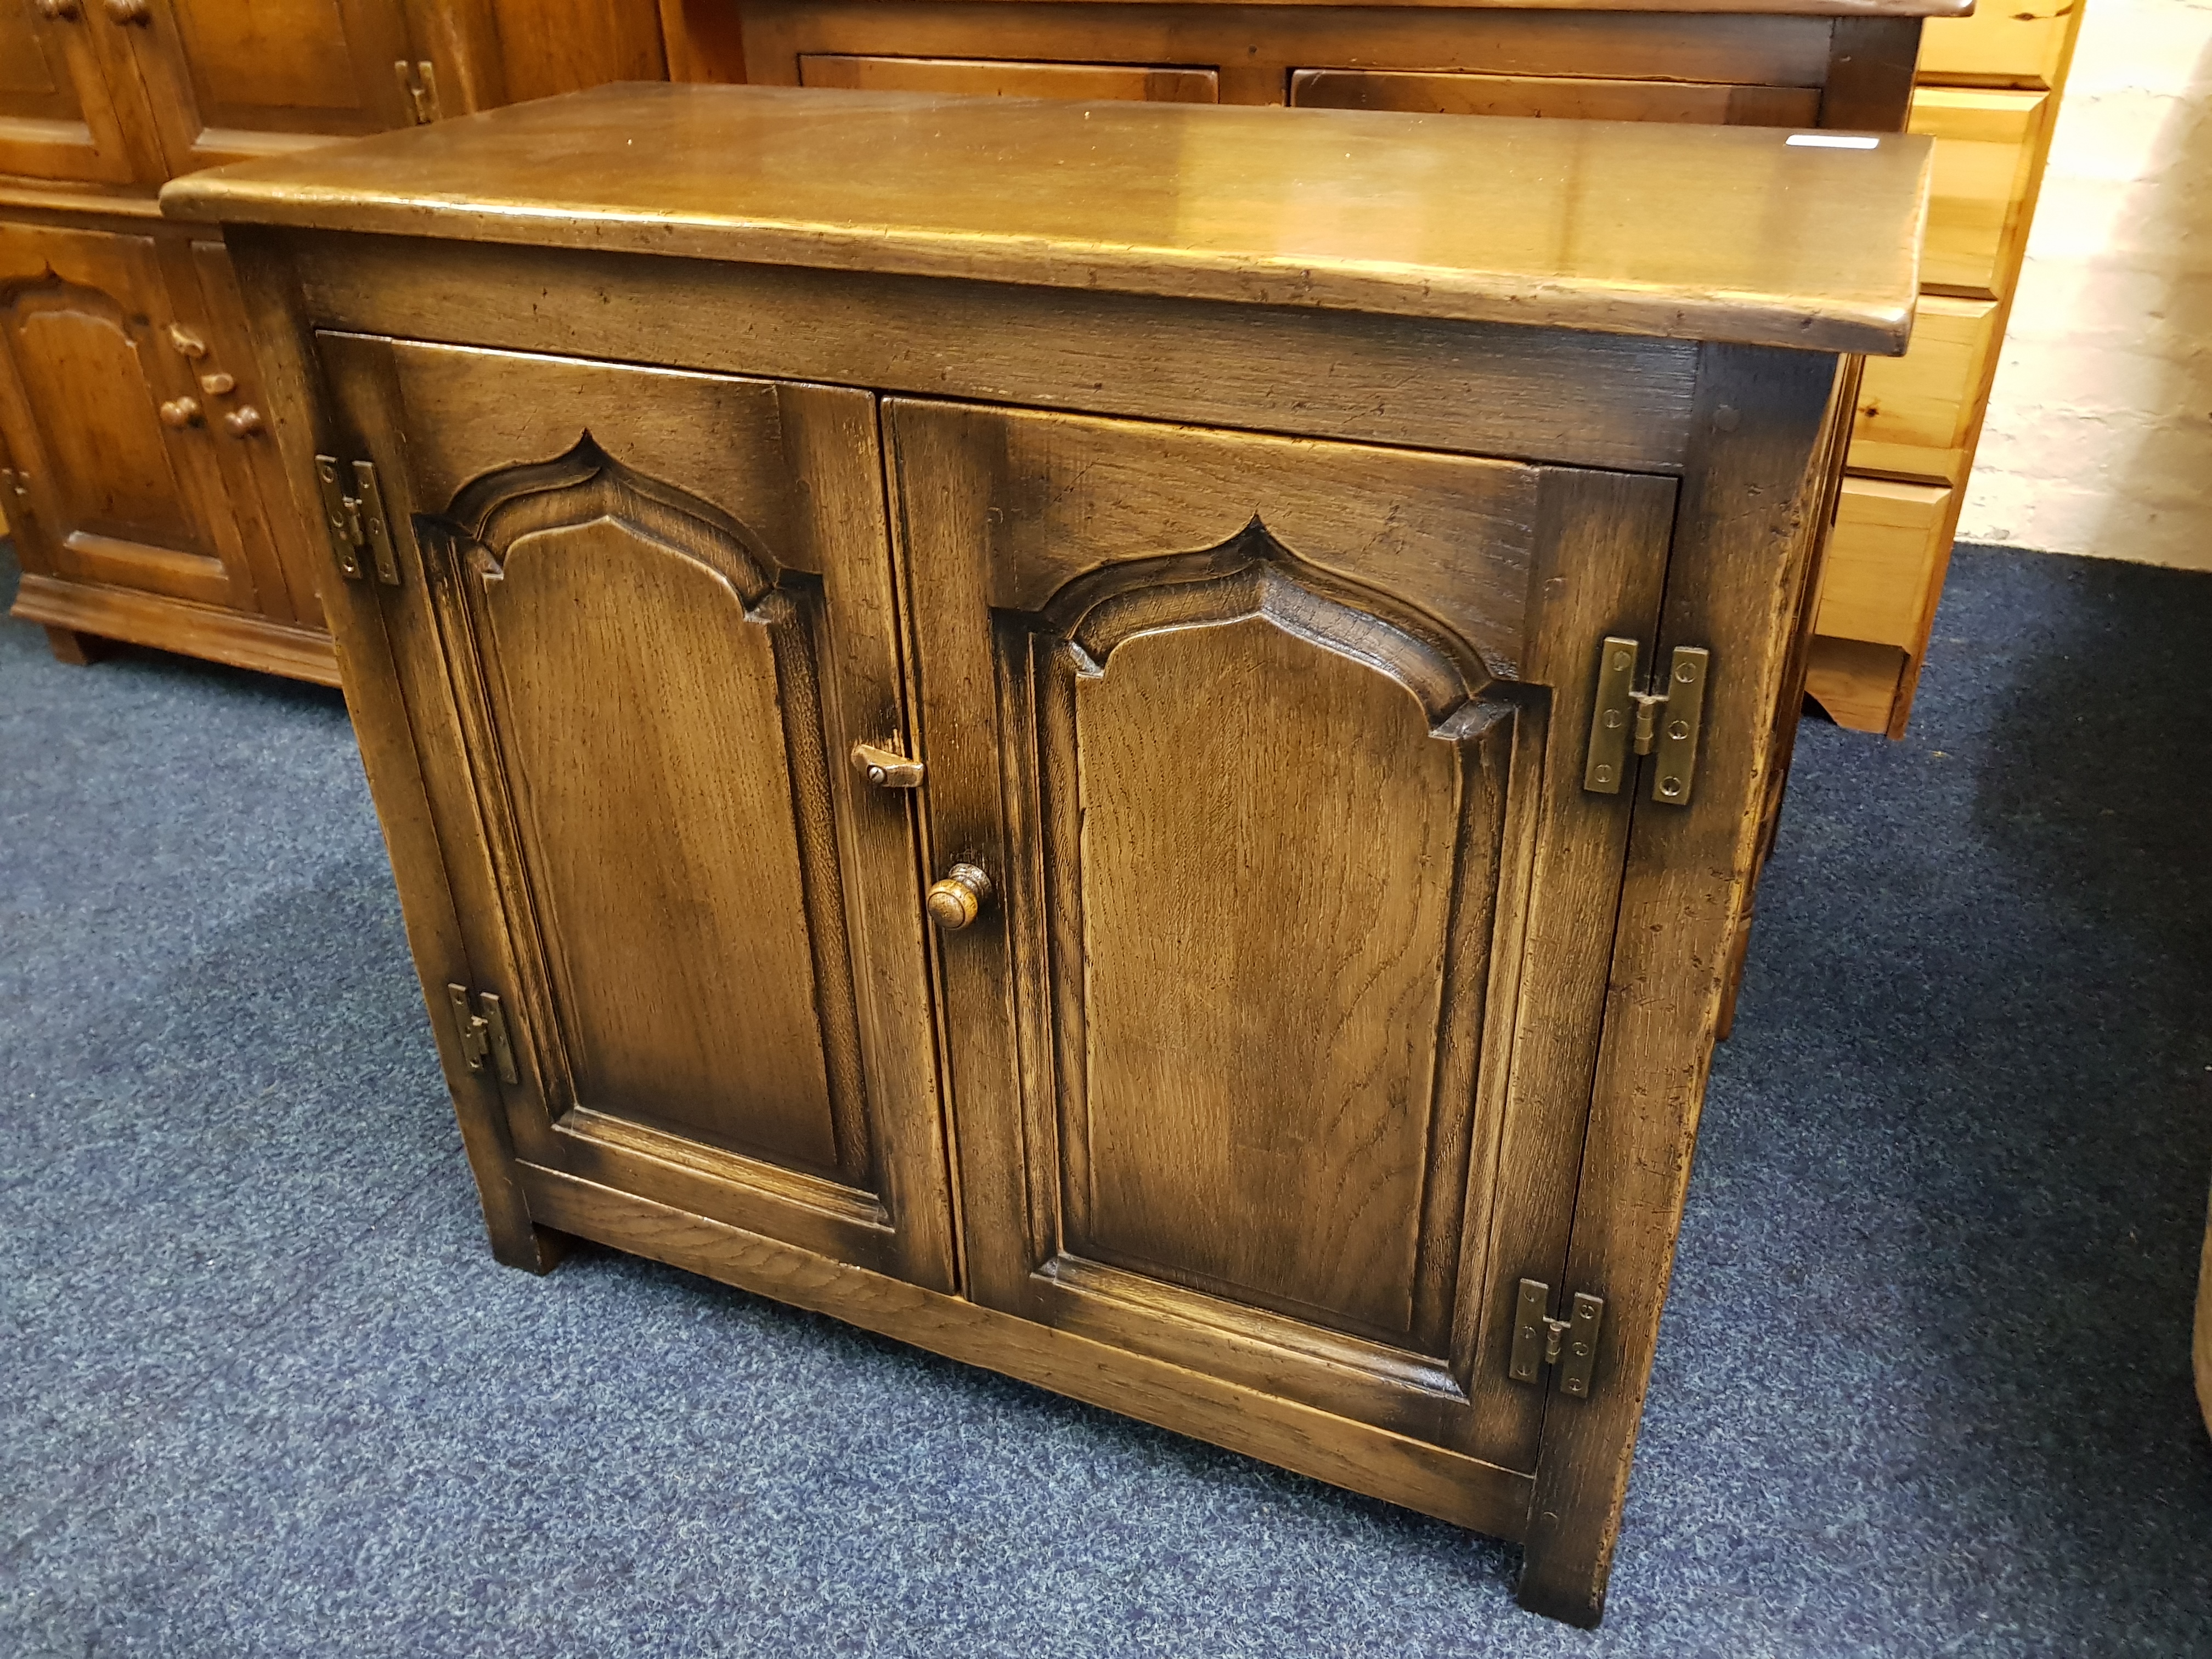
(242, 422)
(129, 11)
(959, 898)
(181, 412)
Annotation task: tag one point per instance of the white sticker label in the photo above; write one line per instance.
(1831, 141)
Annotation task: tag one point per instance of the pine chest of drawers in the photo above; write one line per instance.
(1124, 741)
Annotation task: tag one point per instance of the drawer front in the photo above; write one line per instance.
(2001, 45)
(1566, 97)
(1887, 556)
(1918, 414)
(990, 78)
(1985, 150)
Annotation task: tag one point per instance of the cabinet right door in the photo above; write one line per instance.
(1270, 1050)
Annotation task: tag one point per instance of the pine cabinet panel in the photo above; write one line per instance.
(1918, 414)
(1987, 157)
(1886, 562)
(2024, 43)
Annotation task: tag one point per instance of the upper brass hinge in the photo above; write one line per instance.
(1663, 722)
(418, 85)
(483, 1034)
(356, 522)
(1540, 1340)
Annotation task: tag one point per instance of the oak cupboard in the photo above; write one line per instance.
(139, 480)
(1026, 723)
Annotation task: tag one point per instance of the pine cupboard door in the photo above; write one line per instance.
(234, 79)
(640, 619)
(62, 115)
(106, 419)
(1269, 1049)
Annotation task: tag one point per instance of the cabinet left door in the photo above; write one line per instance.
(233, 81)
(122, 481)
(65, 112)
(638, 621)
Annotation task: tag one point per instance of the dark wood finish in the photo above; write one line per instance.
(1870, 80)
(1559, 96)
(1292, 1001)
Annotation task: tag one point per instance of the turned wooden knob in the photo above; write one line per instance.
(242, 422)
(180, 413)
(129, 11)
(959, 898)
(60, 11)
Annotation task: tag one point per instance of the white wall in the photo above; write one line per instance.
(2100, 434)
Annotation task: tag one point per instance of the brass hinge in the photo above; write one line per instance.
(1621, 714)
(356, 521)
(418, 84)
(1540, 1340)
(483, 1034)
(14, 493)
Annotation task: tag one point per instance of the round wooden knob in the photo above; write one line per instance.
(242, 422)
(180, 413)
(959, 898)
(61, 11)
(129, 11)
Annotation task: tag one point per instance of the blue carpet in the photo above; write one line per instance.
(1923, 1387)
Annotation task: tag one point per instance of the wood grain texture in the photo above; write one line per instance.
(69, 106)
(1001, 78)
(1728, 232)
(1261, 794)
(1555, 97)
(1870, 75)
(1892, 542)
(169, 624)
(1854, 683)
(1919, 415)
(1688, 882)
(682, 887)
(1989, 145)
(1461, 1490)
(1592, 400)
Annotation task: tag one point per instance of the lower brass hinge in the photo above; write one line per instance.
(484, 1034)
(359, 533)
(1663, 722)
(418, 85)
(1540, 1340)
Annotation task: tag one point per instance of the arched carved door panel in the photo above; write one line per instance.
(125, 487)
(653, 613)
(1274, 1062)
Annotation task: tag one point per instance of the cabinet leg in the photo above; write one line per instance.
(1564, 1583)
(532, 1248)
(78, 650)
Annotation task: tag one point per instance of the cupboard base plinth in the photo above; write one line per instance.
(103, 614)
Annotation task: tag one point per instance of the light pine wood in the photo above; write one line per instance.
(1855, 682)
(1556, 96)
(997, 78)
(1879, 582)
(1919, 415)
(1299, 1000)
(1987, 156)
(2026, 43)
(1182, 202)
(1991, 148)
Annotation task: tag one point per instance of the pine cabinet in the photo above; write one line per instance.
(1161, 813)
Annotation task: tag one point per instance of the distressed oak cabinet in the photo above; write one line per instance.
(1299, 603)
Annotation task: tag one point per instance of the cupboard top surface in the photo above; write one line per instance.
(1674, 231)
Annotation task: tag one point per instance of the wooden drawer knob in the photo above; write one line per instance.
(242, 422)
(58, 11)
(959, 898)
(129, 11)
(180, 413)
